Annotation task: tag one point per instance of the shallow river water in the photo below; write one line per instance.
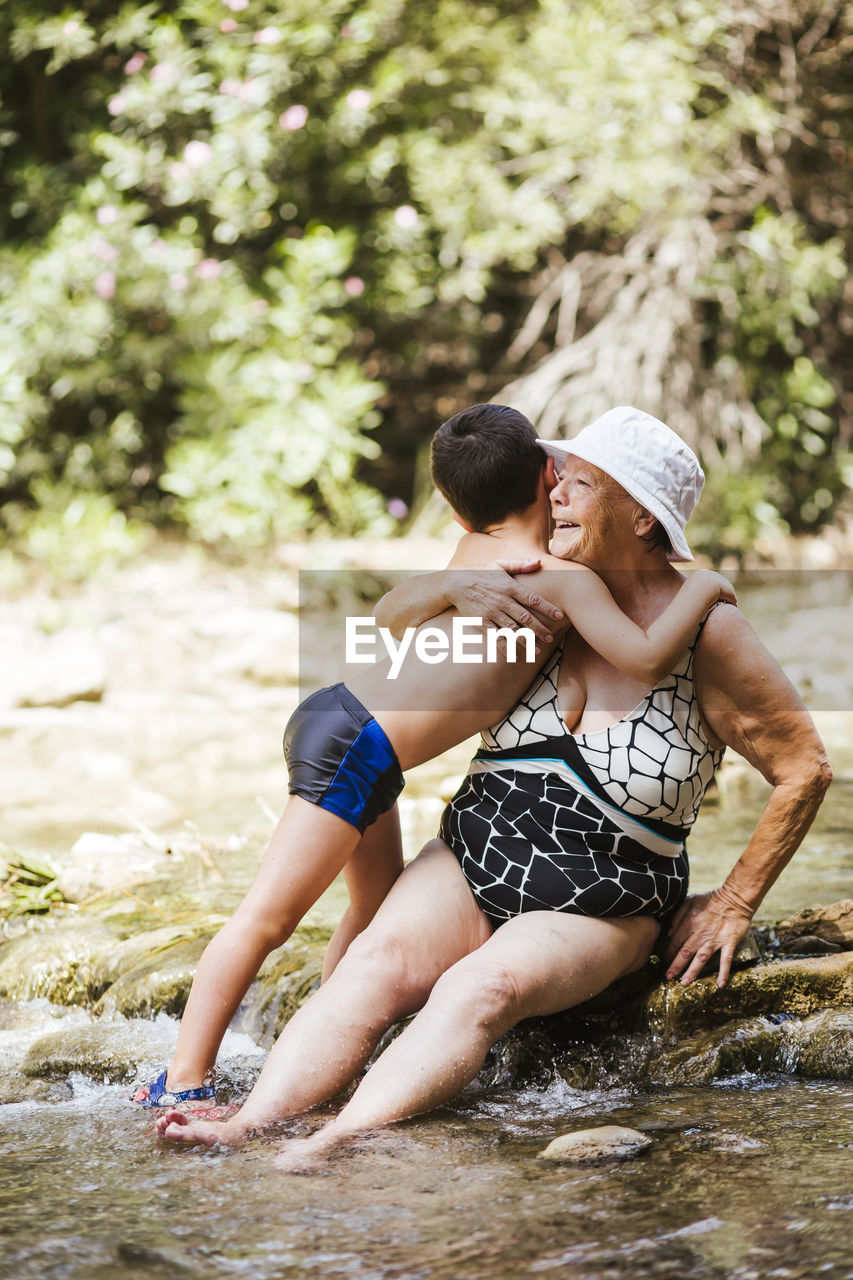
(748, 1178)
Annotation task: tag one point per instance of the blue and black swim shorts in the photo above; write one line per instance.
(339, 758)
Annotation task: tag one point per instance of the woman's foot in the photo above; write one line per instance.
(300, 1155)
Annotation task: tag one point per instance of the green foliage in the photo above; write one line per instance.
(28, 885)
(251, 248)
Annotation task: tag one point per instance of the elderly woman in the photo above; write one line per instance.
(563, 852)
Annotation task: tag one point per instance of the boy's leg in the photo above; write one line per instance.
(375, 864)
(536, 964)
(428, 921)
(308, 849)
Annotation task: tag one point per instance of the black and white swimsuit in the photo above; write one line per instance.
(594, 823)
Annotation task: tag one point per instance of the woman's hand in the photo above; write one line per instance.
(493, 594)
(703, 925)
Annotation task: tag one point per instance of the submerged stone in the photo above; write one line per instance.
(605, 1142)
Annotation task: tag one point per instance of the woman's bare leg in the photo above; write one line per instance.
(308, 849)
(370, 872)
(428, 922)
(539, 963)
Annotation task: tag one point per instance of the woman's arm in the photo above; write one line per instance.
(645, 654)
(488, 592)
(748, 703)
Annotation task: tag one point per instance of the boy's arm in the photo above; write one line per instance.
(488, 593)
(646, 655)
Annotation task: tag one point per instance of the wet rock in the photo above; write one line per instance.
(15, 1087)
(820, 1047)
(832, 924)
(286, 980)
(54, 962)
(606, 1142)
(111, 1052)
(159, 983)
(747, 1044)
(798, 987)
(810, 945)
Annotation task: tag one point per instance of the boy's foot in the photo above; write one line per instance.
(158, 1095)
(177, 1126)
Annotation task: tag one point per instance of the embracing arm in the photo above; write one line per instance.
(646, 655)
(748, 703)
(487, 592)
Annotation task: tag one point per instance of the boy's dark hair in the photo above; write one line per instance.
(485, 461)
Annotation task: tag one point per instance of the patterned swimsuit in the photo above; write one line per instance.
(594, 823)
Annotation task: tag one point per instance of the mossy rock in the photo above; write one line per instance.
(286, 980)
(798, 987)
(821, 1047)
(159, 983)
(747, 1044)
(112, 1052)
(55, 962)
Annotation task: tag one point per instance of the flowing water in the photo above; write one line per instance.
(747, 1178)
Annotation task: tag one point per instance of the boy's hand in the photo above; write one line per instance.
(716, 582)
(491, 593)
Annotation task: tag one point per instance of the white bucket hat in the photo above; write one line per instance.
(650, 462)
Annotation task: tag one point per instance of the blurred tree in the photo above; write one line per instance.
(253, 249)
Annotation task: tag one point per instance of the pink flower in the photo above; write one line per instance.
(406, 217)
(104, 250)
(236, 5)
(105, 285)
(179, 282)
(230, 87)
(227, 25)
(260, 305)
(294, 117)
(354, 286)
(267, 35)
(197, 154)
(115, 106)
(163, 72)
(358, 99)
(209, 269)
(106, 214)
(134, 64)
(178, 170)
(397, 508)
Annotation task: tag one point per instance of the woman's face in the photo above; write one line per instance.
(591, 513)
